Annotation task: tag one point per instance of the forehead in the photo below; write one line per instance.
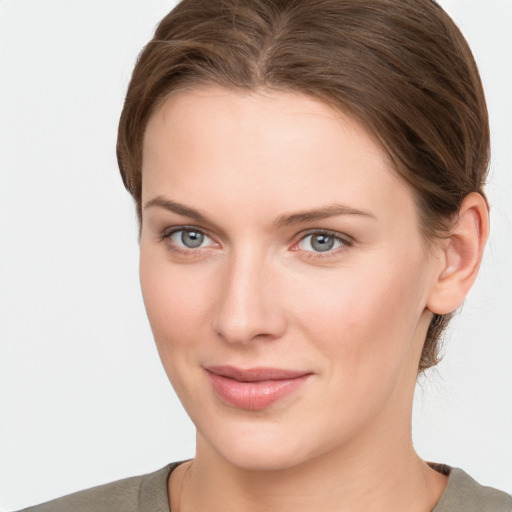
(240, 113)
(287, 147)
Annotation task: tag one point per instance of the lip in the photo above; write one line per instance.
(254, 388)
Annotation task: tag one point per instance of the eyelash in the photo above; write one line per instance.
(345, 242)
(168, 233)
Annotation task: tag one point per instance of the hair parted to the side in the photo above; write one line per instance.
(400, 66)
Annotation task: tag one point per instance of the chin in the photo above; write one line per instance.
(260, 447)
(257, 459)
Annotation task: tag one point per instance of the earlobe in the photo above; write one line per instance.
(462, 255)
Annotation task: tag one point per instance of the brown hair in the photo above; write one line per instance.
(400, 66)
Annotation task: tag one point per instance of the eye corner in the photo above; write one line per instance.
(175, 241)
(335, 243)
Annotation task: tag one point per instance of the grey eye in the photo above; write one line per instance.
(191, 239)
(320, 242)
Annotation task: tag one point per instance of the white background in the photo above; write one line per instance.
(83, 397)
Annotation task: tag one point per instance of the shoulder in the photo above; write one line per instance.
(464, 494)
(138, 493)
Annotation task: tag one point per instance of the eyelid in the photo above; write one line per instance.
(346, 240)
(170, 230)
(167, 233)
(320, 231)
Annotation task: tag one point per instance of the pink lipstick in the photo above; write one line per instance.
(254, 388)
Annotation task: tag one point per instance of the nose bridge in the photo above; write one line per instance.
(247, 303)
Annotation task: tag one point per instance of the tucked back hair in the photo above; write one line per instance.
(400, 66)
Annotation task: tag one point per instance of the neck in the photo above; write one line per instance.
(391, 477)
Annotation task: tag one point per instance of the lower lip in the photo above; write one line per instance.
(253, 396)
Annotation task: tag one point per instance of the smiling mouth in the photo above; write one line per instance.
(254, 388)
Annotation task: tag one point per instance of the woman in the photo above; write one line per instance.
(309, 183)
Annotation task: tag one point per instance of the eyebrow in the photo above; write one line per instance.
(319, 214)
(178, 208)
(283, 220)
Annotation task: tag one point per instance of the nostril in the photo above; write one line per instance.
(249, 322)
(246, 306)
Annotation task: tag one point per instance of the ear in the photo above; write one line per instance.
(461, 256)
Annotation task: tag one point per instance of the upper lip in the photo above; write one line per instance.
(255, 374)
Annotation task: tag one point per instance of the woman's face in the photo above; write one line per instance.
(284, 275)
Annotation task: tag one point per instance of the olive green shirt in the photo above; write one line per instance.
(148, 493)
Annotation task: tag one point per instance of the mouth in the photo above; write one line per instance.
(254, 388)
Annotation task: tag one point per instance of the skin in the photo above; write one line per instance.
(256, 293)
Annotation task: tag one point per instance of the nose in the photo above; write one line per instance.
(249, 302)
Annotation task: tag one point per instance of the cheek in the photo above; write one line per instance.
(364, 318)
(177, 305)
(176, 300)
